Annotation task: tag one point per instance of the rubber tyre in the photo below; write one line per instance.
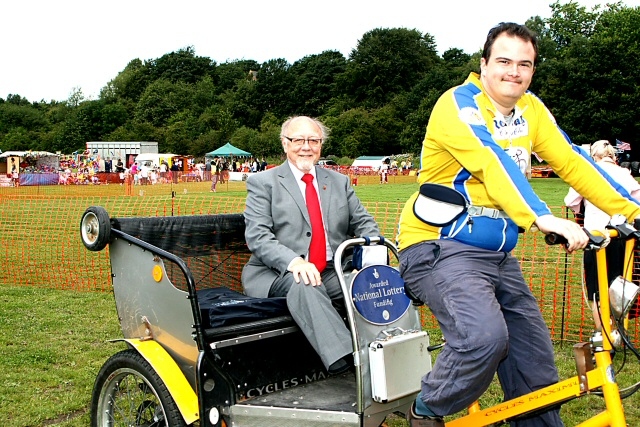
(128, 392)
(634, 168)
(95, 228)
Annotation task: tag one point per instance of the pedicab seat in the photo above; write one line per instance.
(227, 313)
(215, 250)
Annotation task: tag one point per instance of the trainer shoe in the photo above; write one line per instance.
(416, 420)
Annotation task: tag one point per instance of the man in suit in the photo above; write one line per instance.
(279, 235)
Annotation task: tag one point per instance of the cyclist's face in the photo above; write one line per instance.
(507, 73)
(306, 156)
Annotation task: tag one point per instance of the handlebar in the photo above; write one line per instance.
(596, 239)
(557, 239)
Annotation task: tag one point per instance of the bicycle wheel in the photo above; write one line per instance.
(128, 392)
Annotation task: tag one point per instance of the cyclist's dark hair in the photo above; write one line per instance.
(514, 30)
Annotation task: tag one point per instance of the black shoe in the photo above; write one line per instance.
(338, 367)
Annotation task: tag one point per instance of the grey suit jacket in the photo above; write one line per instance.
(278, 227)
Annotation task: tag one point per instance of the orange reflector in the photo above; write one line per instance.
(157, 273)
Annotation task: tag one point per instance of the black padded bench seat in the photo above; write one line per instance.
(227, 313)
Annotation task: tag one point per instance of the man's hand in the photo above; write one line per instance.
(575, 235)
(306, 271)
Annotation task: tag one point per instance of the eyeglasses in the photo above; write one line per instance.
(299, 142)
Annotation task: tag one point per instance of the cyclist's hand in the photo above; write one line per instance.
(576, 237)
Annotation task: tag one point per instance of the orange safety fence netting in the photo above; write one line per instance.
(41, 247)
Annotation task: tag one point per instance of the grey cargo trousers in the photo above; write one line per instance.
(490, 321)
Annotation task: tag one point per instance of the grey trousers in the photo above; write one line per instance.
(313, 310)
(490, 321)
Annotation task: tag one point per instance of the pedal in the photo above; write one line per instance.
(584, 363)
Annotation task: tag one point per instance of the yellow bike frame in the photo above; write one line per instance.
(600, 377)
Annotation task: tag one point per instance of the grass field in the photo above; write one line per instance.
(53, 342)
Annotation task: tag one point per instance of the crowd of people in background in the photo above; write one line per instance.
(86, 170)
(144, 173)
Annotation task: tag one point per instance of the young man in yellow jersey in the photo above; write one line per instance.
(455, 234)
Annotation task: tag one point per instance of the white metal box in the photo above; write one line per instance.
(397, 365)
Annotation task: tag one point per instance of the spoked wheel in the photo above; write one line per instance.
(95, 228)
(128, 392)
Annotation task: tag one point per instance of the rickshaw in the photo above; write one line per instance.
(200, 352)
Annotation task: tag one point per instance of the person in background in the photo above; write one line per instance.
(456, 233)
(223, 168)
(604, 154)
(134, 171)
(175, 171)
(143, 171)
(207, 170)
(384, 172)
(15, 173)
(292, 247)
(214, 168)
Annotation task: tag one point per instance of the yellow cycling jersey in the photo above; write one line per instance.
(471, 147)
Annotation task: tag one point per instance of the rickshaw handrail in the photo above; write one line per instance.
(191, 284)
(360, 404)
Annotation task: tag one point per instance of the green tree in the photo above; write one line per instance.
(229, 74)
(204, 95)
(161, 100)
(455, 58)
(220, 118)
(570, 22)
(17, 100)
(241, 103)
(249, 140)
(112, 117)
(19, 115)
(138, 131)
(17, 139)
(181, 66)
(315, 82)
(416, 105)
(272, 87)
(386, 62)
(180, 132)
(129, 84)
(613, 84)
(591, 83)
(352, 134)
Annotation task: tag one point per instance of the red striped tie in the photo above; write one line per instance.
(318, 247)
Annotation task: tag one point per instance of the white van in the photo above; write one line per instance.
(153, 160)
(373, 162)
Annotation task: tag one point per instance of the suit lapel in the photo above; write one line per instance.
(289, 184)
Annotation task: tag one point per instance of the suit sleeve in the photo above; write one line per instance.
(362, 224)
(259, 225)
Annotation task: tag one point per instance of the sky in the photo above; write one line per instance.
(49, 48)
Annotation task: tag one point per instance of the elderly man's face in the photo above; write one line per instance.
(305, 155)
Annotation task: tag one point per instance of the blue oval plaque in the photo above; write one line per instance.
(377, 292)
